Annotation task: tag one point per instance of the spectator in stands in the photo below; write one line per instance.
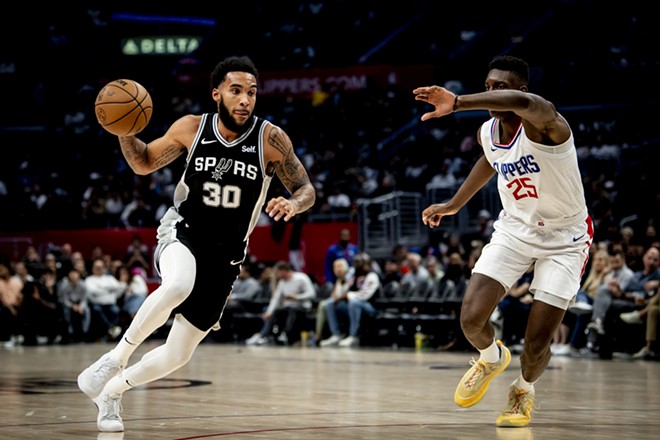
(95, 254)
(344, 248)
(141, 215)
(442, 287)
(339, 201)
(103, 293)
(600, 267)
(21, 273)
(11, 299)
(138, 254)
(361, 292)
(485, 226)
(337, 298)
(615, 283)
(64, 260)
(290, 302)
(51, 264)
(644, 282)
(454, 244)
(416, 282)
(72, 296)
(136, 290)
(391, 278)
(444, 179)
(78, 263)
(650, 314)
(456, 272)
(581, 309)
(42, 315)
(247, 289)
(642, 292)
(33, 261)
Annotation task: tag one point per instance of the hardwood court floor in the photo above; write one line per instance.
(238, 392)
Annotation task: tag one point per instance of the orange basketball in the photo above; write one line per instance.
(123, 107)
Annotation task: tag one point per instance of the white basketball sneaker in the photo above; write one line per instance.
(109, 407)
(92, 380)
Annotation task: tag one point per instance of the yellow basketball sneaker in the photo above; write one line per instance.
(474, 384)
(518, 411)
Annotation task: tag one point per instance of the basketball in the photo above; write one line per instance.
(123, 107)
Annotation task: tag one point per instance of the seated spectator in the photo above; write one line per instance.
(614, 284)
(441, 287)
(136, 288)
(42, 315)
(643, 287)
(11, 299)
(289, 304)
(343, 248)
(72, 296)
(21, 273)
(456, 271)
(337, 296)
(600, 267)
(138, 254)
(650, 314)
(361, 291)
(579, 314)
(416, 282)
(103, 293)
(247, 290)
(391, 278)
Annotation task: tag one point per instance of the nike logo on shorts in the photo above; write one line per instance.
(577, 238)
(204, 141)
(234, 262)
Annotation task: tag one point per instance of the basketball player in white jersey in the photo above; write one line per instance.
(544, 222)
(231, 157)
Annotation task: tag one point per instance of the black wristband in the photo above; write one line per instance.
(455, 102)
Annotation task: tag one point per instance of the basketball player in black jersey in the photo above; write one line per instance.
(231, 157)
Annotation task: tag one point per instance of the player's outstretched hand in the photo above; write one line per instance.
(439, 97)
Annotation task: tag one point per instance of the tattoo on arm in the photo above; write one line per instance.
(137, 156)
(169, 155)
(291, 172)
(135, 152)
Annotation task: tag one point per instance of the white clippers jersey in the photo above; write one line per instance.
(539, 184)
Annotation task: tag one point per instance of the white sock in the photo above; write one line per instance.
(522, 384)
(123, 350)
(491, 353)
(117, 385)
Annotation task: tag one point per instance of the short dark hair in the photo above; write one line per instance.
(283, 265)
(513, 64)
(232, 64)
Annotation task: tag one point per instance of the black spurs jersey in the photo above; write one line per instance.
(224, 185)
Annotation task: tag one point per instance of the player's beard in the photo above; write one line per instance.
(228, 121)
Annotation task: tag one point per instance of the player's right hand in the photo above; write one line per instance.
(432, 215)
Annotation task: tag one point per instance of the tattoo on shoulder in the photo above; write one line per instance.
(279, 141)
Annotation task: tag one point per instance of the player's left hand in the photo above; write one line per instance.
(280, 207)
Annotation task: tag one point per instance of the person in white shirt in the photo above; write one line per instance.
(103, 291)
(290, 301)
